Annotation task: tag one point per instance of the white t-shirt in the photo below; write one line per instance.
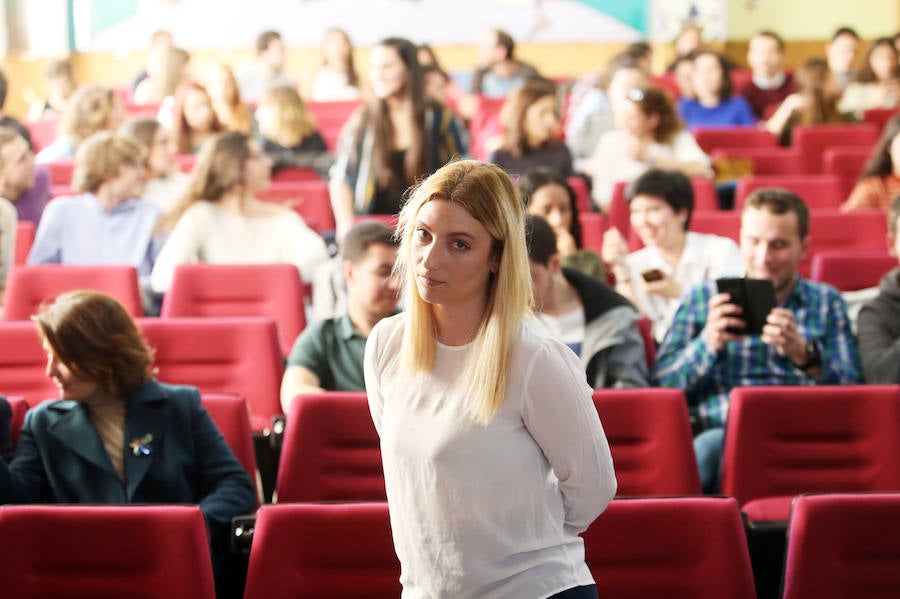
(489, 511)
(704, 257)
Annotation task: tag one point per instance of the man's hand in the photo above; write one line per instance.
(780, 331)
(721, 315)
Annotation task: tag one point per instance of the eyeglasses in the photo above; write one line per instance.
(651, 100)
(636, 94)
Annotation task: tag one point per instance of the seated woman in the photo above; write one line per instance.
(877, 85)
(814, 102)
(60, 86)
(193, 119)
(108, 222)
(531, 131)
(221, 221)
(92, 108)
(289, 134)
(222, 87)
(713, 103)
(336, 79)
(116, 435)
(879, 182)
(167, 68)
(648, 135)
(166, 183)
(673, 259)
(547, 194)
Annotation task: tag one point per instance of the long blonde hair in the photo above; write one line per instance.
(487, 194)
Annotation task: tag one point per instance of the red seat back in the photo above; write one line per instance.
(271, 290)
(818, 191)
(295, 173)
(846, 162)
(331, 451)
(646, 327)
(670, 547)
(851, 270)
(186, 162)
(782, 441)
(726, 223)
(61, 171)
(221, 355)
(710, 138)
(105, 551)
(813, 140)
(19, 408)
(231, 415)
(323, 550)
(25, 232)
(766, 161)
(330, 119)
(582, 194)
(843, 546)
(43, 132)
(878, 117)
(23, 364)
(831, 230)
(28, 287)
(485, 123)
(593, 225)
(649, 435)
(310, 199)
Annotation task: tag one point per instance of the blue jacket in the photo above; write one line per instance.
(61, 459)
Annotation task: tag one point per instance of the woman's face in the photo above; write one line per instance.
(551, 202)
(198, 111)
(70, 386)
(452, 256)
(656, 223)
(706, 80)
(387, 73)
(257, 170)
(335, 49)
(161, 158)
(883, 61)
(541, 123)
(632, 120)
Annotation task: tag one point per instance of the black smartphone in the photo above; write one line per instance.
(654, 274)
(756, 297)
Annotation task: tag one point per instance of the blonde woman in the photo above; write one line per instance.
(92, 108)
(486, 422)
(289, 134)
(222, 87)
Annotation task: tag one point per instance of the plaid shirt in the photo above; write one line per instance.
(684, 360)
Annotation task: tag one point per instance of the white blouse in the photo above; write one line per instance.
(482, 511)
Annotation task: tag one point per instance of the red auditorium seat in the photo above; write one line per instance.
(847, 162)
(878, 116)
(310, 199)
(766, 161)
(331, 451)
(23, 364)
(686, 547)
(235, 355)
(593, 225)
(25, 232)
(484, 124)
(43, 132)
(851, 270)
(582, 194)
(740, 78)
(19, 408)
(105, 551)
(726, 223)
(710, 138)
(649, 435)
(295, 173)
(813, 140)
(818, 191)
(783, 441)
(186, 162)
(330, 119)
(323, 550)
(843, 545)
(232, 417)
(271, 290)
(646, 327)
(844, 231)
(28, 287)
(60, 171)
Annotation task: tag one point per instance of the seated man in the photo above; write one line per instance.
(23, 183)
(499, 73)
(770, 84)
(328, 355)
(806, 338)
(596, 322)
(879, 319)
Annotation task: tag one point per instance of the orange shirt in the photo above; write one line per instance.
(873, 193)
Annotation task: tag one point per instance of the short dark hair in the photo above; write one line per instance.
(779, 41)
(780, 201)
(540, 239)
(893, 215)
(265, 38)
(533, 179)
(673, 187)
(364, 235)
(504, 39)
(845, 31)
(639, 50)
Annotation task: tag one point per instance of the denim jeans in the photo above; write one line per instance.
(708, 449)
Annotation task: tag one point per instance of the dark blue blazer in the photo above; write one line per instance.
(60, 458)
(6, 444)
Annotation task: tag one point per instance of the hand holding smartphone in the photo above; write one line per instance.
(756, 297)
(654, 274)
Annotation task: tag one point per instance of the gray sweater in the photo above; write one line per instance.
(879, 332)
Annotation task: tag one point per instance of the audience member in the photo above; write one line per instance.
(499, 73)
(22, 182)
(193, 118)
(107, 222)
(841, 53)
(814, 102)
(597, 323)
(673, 259)
(683, 73)
(531, 132)
(336, 79)
(288, 131)
(222, 88)
(398, 136)
(5, 119)
(8, 220)
(877, 85)
(879, 319)
(328, 354)
(92, 108)
(221, 221)
(879, 182)
(806, 339)
(648, 134)
(116, 435)
(770, 84)
(60, 87)
(547, 193)
(688, 40)
(160, 41)
(713, 104)
(438, 83)
(268, 68)
(166, 183)
(166, 70)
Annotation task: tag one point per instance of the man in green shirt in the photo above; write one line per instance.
(328, 355)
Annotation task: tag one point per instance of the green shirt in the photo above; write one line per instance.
(333, 350)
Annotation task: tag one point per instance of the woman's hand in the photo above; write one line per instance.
(665, 286)
(614, 248)
(565, 243)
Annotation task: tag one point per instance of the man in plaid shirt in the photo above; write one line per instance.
(806, 339)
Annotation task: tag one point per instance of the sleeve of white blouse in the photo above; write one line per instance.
(371, 371)
(559, 413)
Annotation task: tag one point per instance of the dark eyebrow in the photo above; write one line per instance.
(465, 234)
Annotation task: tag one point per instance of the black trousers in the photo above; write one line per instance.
(585, 592)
